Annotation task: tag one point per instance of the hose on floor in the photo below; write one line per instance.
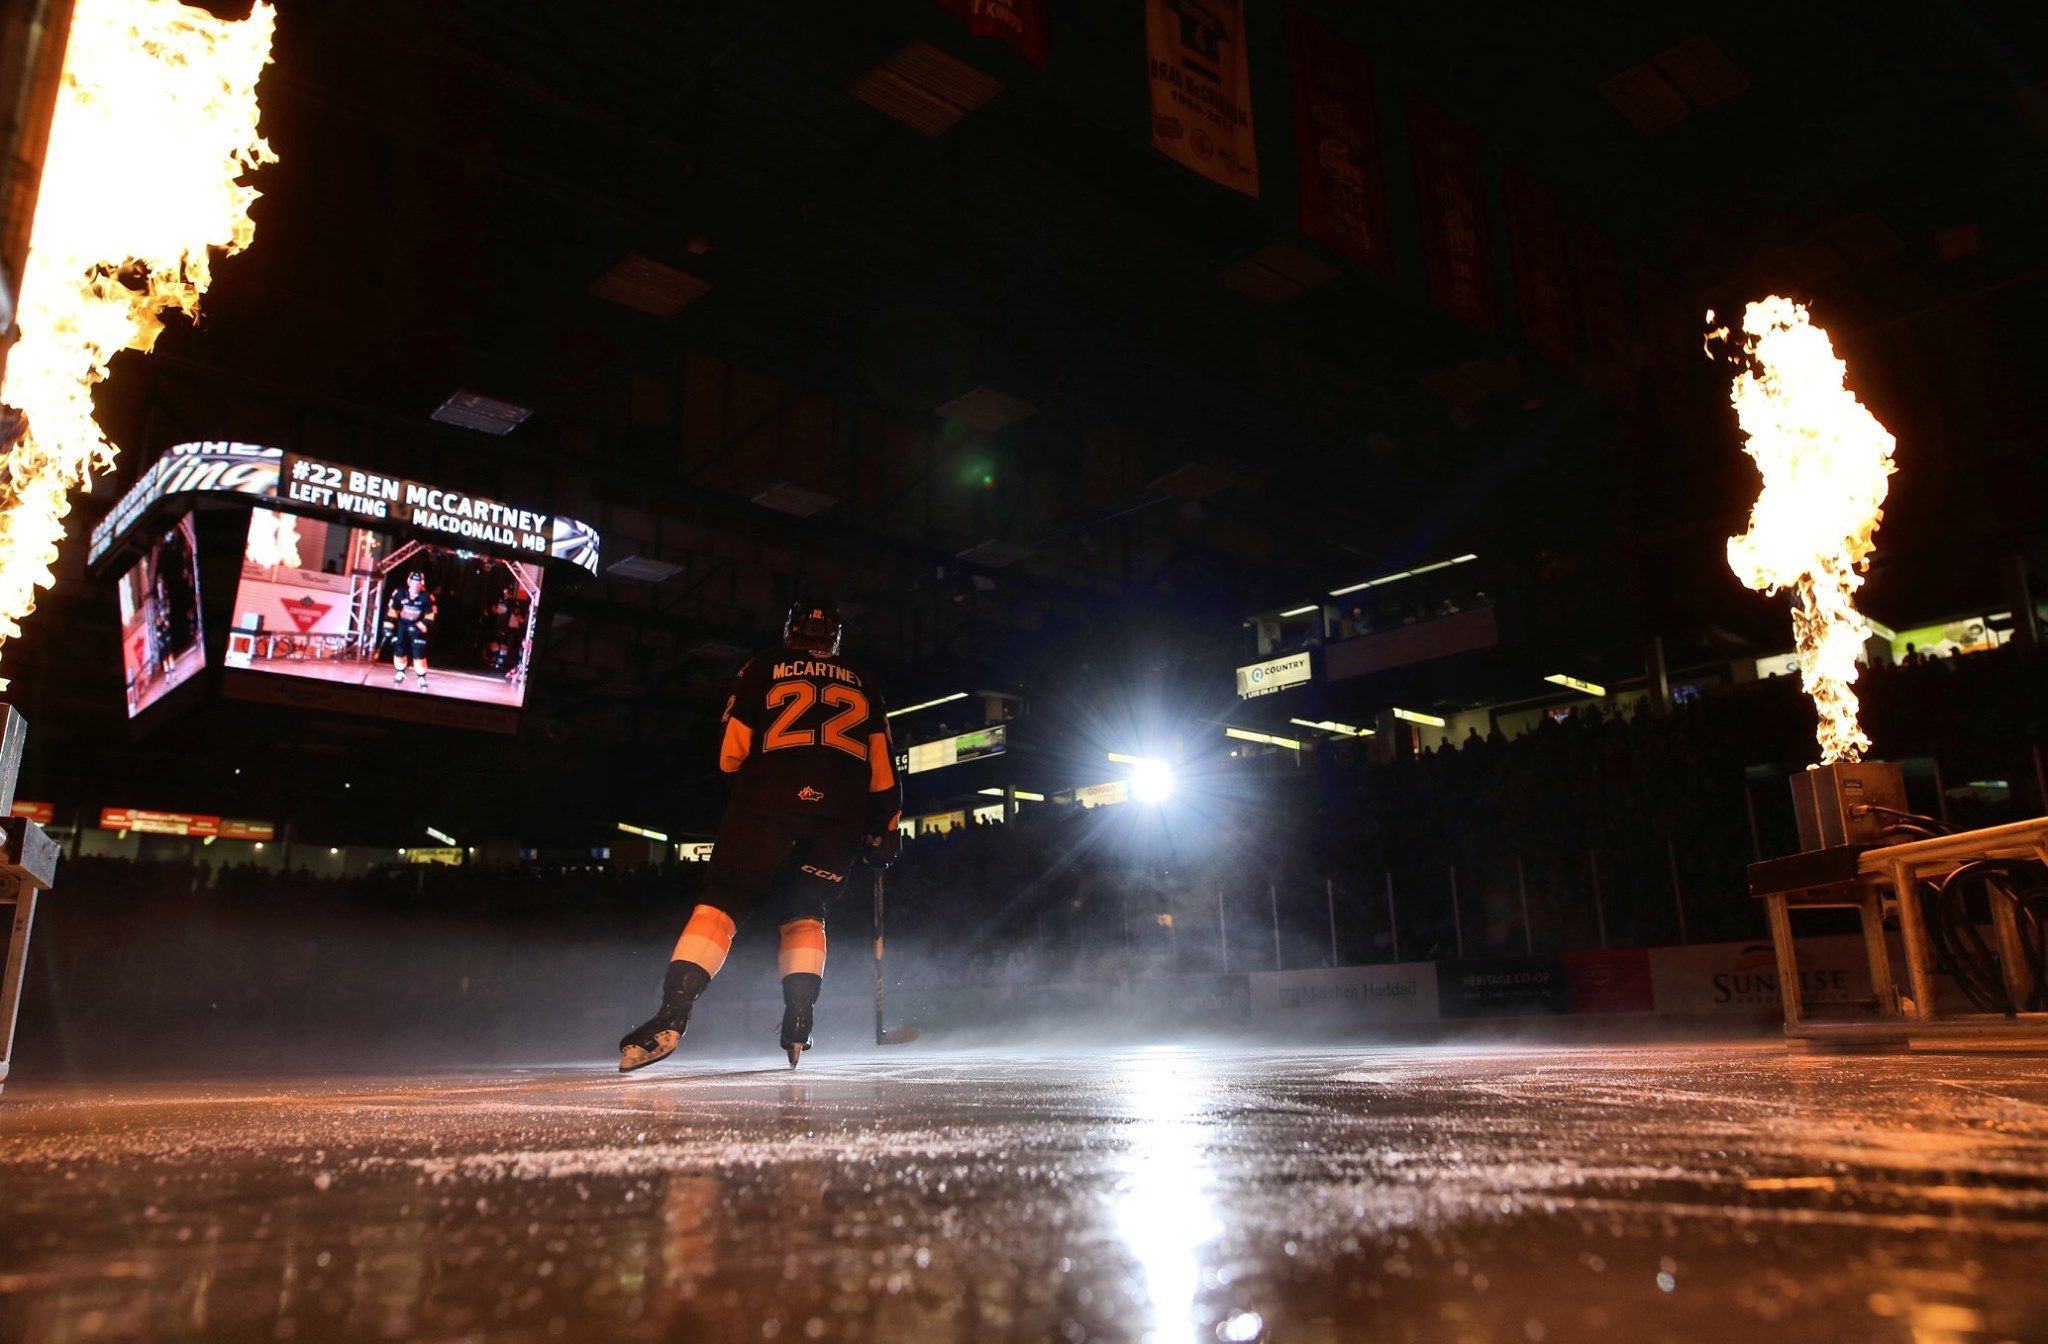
(1961, 950)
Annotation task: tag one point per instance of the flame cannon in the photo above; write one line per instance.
(1825, 464)
(28, 867)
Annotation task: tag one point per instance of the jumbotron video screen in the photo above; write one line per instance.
(326, 601)
(162, 635)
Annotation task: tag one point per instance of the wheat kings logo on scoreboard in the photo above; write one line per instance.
(323, 485)
(189, 468)
(255, 471)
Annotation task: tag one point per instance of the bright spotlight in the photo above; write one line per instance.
(1151, 781)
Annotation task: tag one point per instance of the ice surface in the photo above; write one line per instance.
(1523, 1194)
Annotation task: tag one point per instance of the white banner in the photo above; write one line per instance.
(1272, 675)
(1396, 992)
(1101, 795)
(1202, 89)
(1742, 978)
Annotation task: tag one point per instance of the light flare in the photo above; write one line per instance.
(1826, 465)
(154, 126)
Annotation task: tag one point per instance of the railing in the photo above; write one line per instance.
(1653, 892)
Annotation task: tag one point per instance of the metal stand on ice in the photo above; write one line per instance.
(1861, 849)
(28, 866)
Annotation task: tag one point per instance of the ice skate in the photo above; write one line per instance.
(398, 676)
(796, 1030)
(656, 1038)
(653, 1040)
(799, 998)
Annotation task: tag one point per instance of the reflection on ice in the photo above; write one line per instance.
(1163, 1208)
(1691, 1194)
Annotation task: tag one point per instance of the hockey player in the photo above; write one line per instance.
(408, 618)
(813, 789)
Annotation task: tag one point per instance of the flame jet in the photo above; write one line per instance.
(1826, 465)
(154, 127)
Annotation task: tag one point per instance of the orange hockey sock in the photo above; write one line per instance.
(706, 939)
(803, 948)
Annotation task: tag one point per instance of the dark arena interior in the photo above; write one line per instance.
(1423, 625)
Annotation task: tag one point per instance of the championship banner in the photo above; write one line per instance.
(1202, 89)
(1337, 140)
(1021, 25)
(1601, 298)
(1543, 283)
(1450, 196)
(1669, 325)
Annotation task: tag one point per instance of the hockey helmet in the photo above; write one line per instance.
(813, 626)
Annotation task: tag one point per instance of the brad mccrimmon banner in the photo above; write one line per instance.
(1603, 302)
(1450, 198)
(1337, 139)
(1022, 25)
(1543, 281)
(1202, 89)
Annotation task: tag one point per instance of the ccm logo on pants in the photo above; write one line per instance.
(820, 872)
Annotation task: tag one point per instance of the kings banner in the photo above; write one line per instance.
(1543, 282)
(1450, 198)
(1337, 138)
(1022, 25)
(1602, 297)
(1202, 89)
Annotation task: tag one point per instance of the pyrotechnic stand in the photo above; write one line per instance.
(1932, 888)
(28, 865)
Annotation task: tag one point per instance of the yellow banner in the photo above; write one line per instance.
(1202, 89)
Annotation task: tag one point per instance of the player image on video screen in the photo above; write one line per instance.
(162, 642)
(330, 602)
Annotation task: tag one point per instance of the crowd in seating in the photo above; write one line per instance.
(1597, 826)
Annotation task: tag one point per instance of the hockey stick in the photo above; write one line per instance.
(902, 1035)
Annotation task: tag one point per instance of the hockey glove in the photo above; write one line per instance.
(879, 851)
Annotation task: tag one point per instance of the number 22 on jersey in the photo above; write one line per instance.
(795, 699)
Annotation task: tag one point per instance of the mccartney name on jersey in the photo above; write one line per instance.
(803, 667)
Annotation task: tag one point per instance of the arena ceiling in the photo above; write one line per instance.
(456, 177)
(461, 183)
